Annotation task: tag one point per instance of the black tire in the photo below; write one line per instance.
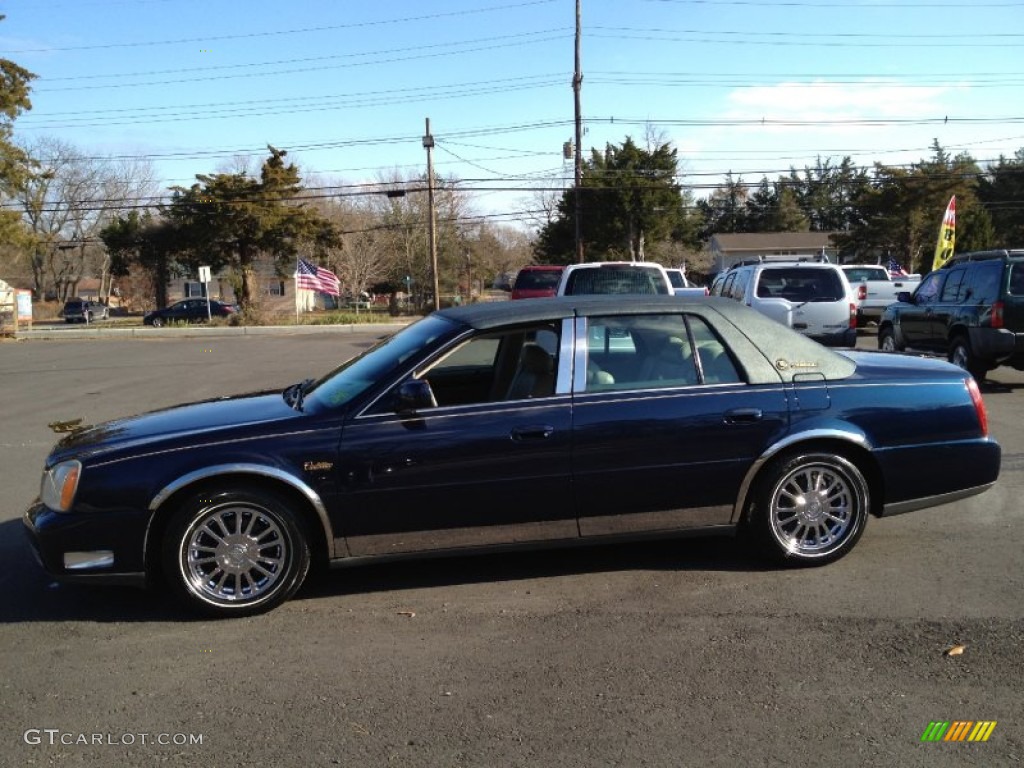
(157, 322)
(235, 552)
(809, 508)
(887, 340)
(960, 355)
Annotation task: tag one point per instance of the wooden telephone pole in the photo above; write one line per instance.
(577, 85)
(428, 144)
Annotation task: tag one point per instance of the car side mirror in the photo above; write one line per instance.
(904, 297)
(414, 395)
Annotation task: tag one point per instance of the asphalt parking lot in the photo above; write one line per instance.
(666, 654)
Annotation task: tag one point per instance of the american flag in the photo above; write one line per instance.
(896, 270)
(313, 278)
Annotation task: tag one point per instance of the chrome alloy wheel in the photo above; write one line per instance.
(234, 553)
(816, 507)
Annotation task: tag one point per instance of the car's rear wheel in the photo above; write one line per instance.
(887, 340)
(235, 552)
(809, 508)
(157, 322)
(960, 354)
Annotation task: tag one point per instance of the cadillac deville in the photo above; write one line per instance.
(539, 422)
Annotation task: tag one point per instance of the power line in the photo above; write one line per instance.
(282, 32)
(537, 37)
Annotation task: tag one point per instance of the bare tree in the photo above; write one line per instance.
(65, 203)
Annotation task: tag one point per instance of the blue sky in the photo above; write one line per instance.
(346, 86)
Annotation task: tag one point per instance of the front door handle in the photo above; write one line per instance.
(743, 415)
(540, 432)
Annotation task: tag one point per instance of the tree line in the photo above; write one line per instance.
(65, 216)
(634, 206)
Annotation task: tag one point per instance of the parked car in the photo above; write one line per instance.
(620, 277)
(681, 286)
(811, 297)
(874, 289)
(530, 423)
(971, 310)
(188, 311)
(536, 281)
(84, 311)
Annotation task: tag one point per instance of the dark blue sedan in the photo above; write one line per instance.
(577, 420)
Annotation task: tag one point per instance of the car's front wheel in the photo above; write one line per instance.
(235, 552)
(157, 322)
(960, 355)
(809, 508)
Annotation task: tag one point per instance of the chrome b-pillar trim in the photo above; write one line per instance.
(251, 469)
(787, 442)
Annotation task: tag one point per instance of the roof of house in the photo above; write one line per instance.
(771, 241)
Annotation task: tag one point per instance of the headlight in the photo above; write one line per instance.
(59, 485)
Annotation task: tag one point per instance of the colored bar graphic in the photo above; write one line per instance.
(958, 730)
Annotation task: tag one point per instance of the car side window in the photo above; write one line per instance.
(739, 286)
(654, 352)
(928, 291)
(1017, 280)
(511, 365)
(955, 288)
(983, 283)
(716, 364)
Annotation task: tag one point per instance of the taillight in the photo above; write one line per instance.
(979, 405)
(853, 315)
(862, 292)
(997, 315)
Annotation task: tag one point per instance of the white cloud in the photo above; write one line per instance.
(824, 100)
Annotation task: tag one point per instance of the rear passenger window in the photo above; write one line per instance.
(655, 352)
(1017, 280)
(716, 364)
(983, 283)
(953, 292)
(739, 285)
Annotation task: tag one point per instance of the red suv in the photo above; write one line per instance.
(535, 282)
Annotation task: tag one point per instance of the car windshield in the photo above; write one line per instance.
(801, 284)
(858, 274)
(615, 279)
(355, 376)
(538, 279)
(675, 277)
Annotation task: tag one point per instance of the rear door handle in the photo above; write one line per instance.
(541, 432)
(743, 415)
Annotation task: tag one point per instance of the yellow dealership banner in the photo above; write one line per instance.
(947, 236)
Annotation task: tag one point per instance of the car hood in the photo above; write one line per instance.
(170, 424)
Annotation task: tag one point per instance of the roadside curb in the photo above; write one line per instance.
(204, 332)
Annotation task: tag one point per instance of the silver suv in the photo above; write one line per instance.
(810, 297)
(84, 311)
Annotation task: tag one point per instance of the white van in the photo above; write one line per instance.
(810, 297)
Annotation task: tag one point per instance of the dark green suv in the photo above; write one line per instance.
(971, 310)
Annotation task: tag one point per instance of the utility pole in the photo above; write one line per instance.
(577, 84)
(428, 144)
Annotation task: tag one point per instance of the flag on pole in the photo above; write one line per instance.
(947, 236)
(310, 277)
